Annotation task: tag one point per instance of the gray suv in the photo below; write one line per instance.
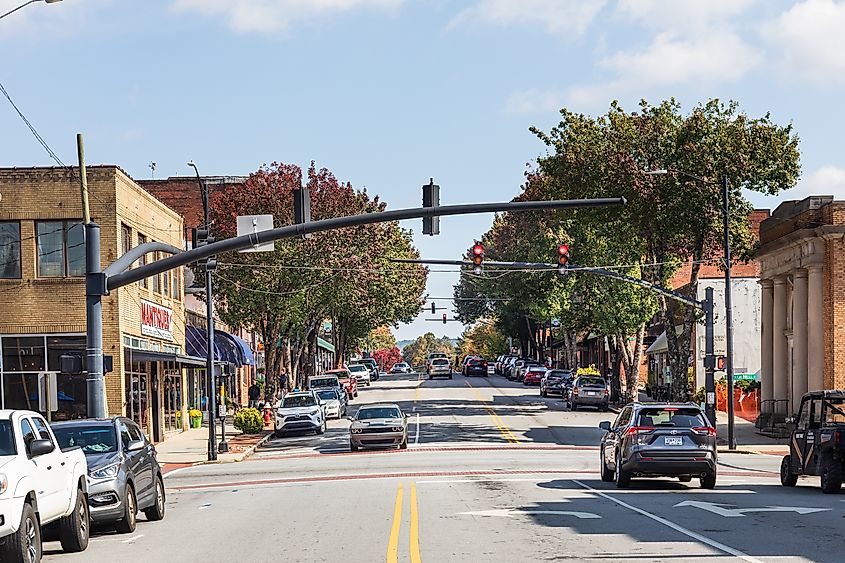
(124, 476)
(659, 440)
(589, 391)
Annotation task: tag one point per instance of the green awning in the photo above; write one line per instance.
(325, 345)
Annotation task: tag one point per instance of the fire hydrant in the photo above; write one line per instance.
(268, 414)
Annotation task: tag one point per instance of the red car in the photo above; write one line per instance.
(349, 383)
(534, 375)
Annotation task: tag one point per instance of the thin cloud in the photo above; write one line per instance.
(556, 16)
(674, 15)
(534, 101)
(827, 180)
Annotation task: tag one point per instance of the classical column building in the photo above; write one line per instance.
(802, 256)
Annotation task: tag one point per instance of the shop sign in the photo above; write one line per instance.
(156, 321)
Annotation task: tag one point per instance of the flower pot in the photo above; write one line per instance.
(196, 422)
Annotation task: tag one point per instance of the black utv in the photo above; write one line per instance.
(817, 445)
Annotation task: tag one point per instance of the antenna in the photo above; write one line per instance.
(152, 167)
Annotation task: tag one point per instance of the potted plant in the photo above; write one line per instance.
(196, 418)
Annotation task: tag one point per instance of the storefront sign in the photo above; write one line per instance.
(156, 321)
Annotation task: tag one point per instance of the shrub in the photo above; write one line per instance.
(249, 421)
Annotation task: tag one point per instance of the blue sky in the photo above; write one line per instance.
(387, 93)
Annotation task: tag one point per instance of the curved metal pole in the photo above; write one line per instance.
(24, 5)
(125, 262)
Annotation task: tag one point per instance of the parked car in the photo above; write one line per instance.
(401, 367)
(476, 366)
(589, 390)
(512, 367)
(346, 381)
(554, 382)
(124, 476)
(40, 484)
(659, 440)
(520, 372)
(335, 406)
(533, 375)
(817, 446)
(361, 373)
(440, 367)
(373, 365)
(300, 410)
(378, 425)
(507, 365)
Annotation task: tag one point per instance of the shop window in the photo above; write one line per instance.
(156, 287)
(73, 396)
(23, 353)
(20, 391)
(176, 289)
(142, 239)
(136, 392)
(10, 250)
(58, 345)
(61, 249)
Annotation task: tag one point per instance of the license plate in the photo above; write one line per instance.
(673, 441)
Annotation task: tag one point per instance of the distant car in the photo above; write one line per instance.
(533, 375)
(361, 373)
(659, 440)
(554, 382)
(301, 410)
(589, 390)
(124, 476)
(349, 383)
(440, 367)
(520, 372)
(401, 367)
(433, 356)
(335, 406)
(377, 426)
(373, 365)
(476, 366)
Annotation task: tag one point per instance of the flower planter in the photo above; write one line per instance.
(196, 422)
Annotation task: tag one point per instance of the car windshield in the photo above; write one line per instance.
(327, 395)
(299, 401)
(591, 381)
(379, 412)
(92, 439)
(670, 416)
(358, 367)
(559, 374)
(7, 439)
(324, 382)
(440, 362)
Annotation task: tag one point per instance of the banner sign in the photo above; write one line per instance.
(156, 321)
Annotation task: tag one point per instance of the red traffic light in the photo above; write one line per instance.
(478, 249)
(563, 254)
(444, 318)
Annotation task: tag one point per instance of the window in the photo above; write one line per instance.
(23, 353)
(43, 433)
(60, 345)
(10, 250)
(136, 434)
(176, 289)
(125, 238)
(92, 439)
(61, 249)
(142, 239)
(125, 437)
(156, 287)
(165, 284)
(804, 415)
(27, 433)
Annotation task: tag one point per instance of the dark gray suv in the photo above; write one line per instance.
(659, 440)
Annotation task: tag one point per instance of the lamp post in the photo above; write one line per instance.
(729, 329)
(25, 4)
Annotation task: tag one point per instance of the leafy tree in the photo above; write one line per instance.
(386, 357)
(417, 351)
(380, 338)
(483, 339)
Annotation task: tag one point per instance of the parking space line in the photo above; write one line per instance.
(415, 527)
(703, 539)
(393, 542)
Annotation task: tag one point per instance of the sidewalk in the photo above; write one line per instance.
(747, 438)
(191, 447)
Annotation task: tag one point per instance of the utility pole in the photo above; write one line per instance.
(709, 359)
(729, 324)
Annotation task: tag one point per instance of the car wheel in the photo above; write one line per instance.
(404, 444)
(606, 474)
(708, 480)
(544, 394)
(73, 528)
(573, 407)
(353, 447)
(685, 478)
(156, 511)
(126, 525)
(450, 376)
(622, 477)
(831, 476)
(322, 428)
(25, 544)
(787, 477)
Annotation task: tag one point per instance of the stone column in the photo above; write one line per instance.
(799, 337)
(780, 369)
(766, 381)
(815, 328)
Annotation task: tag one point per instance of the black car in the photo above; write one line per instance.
(659, 440)
(371, 363)
(476, 366)
(817, 446)
(124, 476)
(555, 382)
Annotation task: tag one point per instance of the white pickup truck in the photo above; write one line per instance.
(40, 485)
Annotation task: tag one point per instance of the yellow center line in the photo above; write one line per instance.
(393, 543)
(497, 420)
(415, 527)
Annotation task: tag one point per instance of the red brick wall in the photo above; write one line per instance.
(183, 194)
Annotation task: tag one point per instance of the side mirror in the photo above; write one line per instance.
(349, 418)
(40, 447)
(605, 425)
(135, 446)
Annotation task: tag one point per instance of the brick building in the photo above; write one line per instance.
(802, 258)
(42, 296)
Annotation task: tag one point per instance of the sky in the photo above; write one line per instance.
(389, 93)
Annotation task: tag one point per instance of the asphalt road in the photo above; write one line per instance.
(493, 473)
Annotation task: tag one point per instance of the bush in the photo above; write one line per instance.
(249, 421)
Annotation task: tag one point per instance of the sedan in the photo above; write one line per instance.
(401, 367)
(533, 375)
(476, 366)
(555, 382)
(377, 426)
(123, 473)
(361, 373)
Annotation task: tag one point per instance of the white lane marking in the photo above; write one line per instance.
(722, 510)
(703, 539)
(511, 512)
(417, 436)
(133, 538)
(175, 471)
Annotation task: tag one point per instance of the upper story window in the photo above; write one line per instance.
(61, 249)
(10, 250)
(156, 278)
(142, 239)
(125, 238)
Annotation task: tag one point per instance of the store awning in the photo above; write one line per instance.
(245, 352)
(226, 348)
(325, 345)
(153, 356)
(660, 345)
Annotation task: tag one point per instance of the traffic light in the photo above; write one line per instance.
(433, 308)
(202, 237)
(477, 257)
(431, 198)
(444, 318)
(721, 362)
(302, 207)
(562, 257)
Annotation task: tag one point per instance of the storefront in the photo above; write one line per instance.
(232, 356)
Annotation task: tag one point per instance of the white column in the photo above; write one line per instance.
(780, 369)
(799, 337)
(766, 381)
(815, 328)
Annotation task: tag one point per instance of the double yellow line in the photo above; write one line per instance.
(393, 542)
(497, 420)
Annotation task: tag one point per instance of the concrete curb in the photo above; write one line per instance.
(237, 457)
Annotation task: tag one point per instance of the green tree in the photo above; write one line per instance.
(483, 339)
(380, 338)
(417, 351)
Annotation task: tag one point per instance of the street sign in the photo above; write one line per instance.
(252, 224)
(723, 510)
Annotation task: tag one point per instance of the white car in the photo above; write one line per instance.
(361, 373)
(300, 411)
(334, 406)
(39, 484)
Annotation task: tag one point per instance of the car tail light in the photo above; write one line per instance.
(607, 391)
(635, 430)
(705, 431)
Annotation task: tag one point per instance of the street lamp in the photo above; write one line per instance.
(729, 328)
(25, 4)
